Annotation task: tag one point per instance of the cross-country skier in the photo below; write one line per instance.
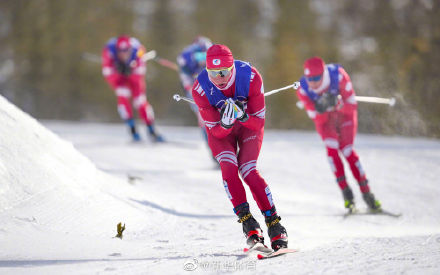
(124, 70)
(329, 99)
(230, 98)
(191, 61)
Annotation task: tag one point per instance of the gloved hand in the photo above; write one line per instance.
(228, 115)
(242, 116)
(123, 68)
(325, 101)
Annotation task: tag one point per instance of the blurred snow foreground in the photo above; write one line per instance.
(59, 208)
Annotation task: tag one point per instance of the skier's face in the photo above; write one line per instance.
(124, 54)
(314, 81)
(220, 77)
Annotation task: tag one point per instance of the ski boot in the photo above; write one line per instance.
(370, 200)
(277, 232)
(136, 137)
(251, 228)
(157, 138)
(348, 199)
(134, 134)
(154, 135)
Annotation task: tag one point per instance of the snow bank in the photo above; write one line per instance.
(53, 200)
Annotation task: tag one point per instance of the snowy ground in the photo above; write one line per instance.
(58, 212)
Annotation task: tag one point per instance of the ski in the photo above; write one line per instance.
(257, 247)
(383, 212)
(277, 253)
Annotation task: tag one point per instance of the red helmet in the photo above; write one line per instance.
(123, 42)
(314, 66)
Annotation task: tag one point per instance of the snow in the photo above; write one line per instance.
(63, 190)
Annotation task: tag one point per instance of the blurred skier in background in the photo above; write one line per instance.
(191, 61)
(124, 69)
(329, 99)
(230, 98)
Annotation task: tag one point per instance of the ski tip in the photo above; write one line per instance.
(259, 256)
(245, 249)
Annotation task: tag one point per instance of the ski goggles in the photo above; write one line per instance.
(314, 78)
(221, 72)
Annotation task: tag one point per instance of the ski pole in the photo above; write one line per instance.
(91, 57)
(380, 100)
(166, 63)
(369, 99)
(97, 59)
(295, 86)
(151, 55)
(178, 98)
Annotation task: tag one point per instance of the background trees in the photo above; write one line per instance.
(390, 48)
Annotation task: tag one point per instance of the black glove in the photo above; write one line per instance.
(123, 68)
(325, 101)
(243, 115)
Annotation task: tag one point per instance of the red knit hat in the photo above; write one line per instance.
(123, 42)
(219, 56)
(314, 66)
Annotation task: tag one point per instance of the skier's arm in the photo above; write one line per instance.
(309, 106)
(256, 107)
(210, 114)
(137, 75)
(109, 70)
(186, 78)
(347, 93)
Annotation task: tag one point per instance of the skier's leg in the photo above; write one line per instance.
(125, 111)
(250, 144)
(145, 110)
(329, 135)
(335, 161)
(224, 150)
(347, 134)
(146, 113)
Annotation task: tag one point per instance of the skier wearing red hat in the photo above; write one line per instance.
(329, 99)
(124, 70)
(230, 96)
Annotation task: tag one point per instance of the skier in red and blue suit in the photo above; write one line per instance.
(191, 61)
(124, 70)
(230, 98)
(329, 99)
